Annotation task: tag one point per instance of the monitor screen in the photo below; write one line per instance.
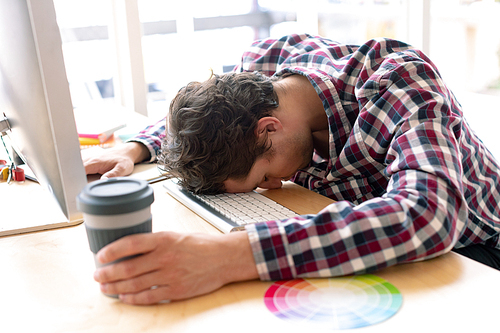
(35, 98)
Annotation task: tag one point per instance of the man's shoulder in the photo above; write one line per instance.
(293, 40)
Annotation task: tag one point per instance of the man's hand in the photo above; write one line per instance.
(115, 162)
(174, 266)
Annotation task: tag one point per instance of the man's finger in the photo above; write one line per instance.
(133, 285)
(127, 246)
(123, 272)
(147, 297)
(110, 174)
(91, 168)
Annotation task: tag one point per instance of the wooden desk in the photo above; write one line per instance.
(47, 286)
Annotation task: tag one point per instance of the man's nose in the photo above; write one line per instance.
(271, 182)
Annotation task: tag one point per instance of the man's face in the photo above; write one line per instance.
(285, 159)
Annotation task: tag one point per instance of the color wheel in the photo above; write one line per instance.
(335, 303)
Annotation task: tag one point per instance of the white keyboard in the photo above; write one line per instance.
(230, 211)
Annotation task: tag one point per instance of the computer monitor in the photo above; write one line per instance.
(35, 98)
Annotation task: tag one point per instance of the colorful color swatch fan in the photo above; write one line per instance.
(335, 303)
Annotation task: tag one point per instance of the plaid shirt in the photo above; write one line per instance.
(152, 137)
(411, 179)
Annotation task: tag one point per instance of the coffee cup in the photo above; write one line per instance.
(114, 208)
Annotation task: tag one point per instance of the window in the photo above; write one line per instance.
(186, 41)
(88, 52)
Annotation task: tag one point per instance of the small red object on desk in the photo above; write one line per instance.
(19, 175)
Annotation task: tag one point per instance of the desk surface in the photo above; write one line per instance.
(47, 286)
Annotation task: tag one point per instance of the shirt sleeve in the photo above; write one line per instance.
(152, 137)
(405, 112)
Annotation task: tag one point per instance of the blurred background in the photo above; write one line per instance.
(138, 53)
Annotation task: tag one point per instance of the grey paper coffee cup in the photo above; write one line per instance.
(115, 208)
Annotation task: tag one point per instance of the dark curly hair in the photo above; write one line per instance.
(210, 133)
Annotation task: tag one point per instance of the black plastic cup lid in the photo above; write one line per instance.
(112, 196)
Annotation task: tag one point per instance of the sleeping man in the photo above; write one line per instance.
(373, 127)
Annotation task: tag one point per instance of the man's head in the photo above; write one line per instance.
(210, 134)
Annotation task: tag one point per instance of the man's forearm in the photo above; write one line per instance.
(136, 151)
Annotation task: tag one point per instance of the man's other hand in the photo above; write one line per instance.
(114, 162)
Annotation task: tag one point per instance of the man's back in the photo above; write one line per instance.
(419, 180)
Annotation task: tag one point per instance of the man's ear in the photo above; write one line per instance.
(267, 126)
